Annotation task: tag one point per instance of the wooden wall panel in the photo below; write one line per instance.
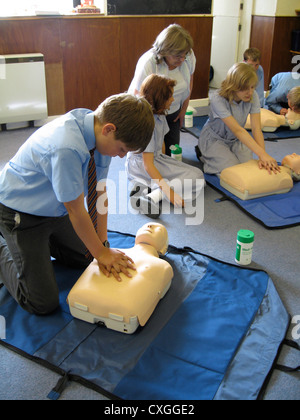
(139, 34)
(91, 61)
(273, 36)
(90, 58)
(282, 44)
(262, 34)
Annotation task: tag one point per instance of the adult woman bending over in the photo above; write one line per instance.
(171, 56)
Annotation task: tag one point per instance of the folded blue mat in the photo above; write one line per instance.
(215, 335)
(273, 212)
(280, 133)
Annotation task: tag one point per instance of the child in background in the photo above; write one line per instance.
(153, 167)
(252, 56)
(294, 99)
(224, 142)
(281, 85)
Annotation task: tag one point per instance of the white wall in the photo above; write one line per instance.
(275, 7)
(265, 7)
(228, 44)
(287, 8)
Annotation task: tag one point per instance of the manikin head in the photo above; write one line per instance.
(292, 162)
(154, 234)
(293, 119)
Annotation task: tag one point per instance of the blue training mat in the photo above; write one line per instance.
(280, 134)
(273, 212)
(215, 335)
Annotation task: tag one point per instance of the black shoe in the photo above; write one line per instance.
(149, 208)
(4, 244)
(139, 189)
(198, 153)
(136, 193)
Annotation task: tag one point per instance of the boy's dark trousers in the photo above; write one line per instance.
(27, 243)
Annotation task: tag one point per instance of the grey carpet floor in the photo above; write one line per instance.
(275, 251)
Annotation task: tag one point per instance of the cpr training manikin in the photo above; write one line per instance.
(123, 306)
(247, 181)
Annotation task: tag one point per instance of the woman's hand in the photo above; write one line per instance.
(113, 261)
(181, 117)
(268, 163)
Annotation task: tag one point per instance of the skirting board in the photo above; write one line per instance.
(199, 103)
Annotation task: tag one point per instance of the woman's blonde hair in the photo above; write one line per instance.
(133, 118)
(240, 77)
(158, 90)
(294, 98)
(174, 40)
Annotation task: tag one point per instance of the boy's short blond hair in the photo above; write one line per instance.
(294, 98)
(133, 118)
(240, 77)
(252, 54)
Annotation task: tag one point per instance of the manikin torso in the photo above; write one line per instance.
(136, 296)
(270, 121)
(248, 181)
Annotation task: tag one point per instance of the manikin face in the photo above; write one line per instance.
(153, 234)
(293, 162)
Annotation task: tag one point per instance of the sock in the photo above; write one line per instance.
(156, 196)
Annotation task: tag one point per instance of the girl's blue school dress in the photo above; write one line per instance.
(169, 168)
(219, 147)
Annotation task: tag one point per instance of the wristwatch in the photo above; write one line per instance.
(106, 244)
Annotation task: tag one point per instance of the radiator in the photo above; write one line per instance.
(22, 88)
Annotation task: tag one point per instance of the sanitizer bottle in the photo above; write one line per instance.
(189, 119)
(176, 152)
(244, 249)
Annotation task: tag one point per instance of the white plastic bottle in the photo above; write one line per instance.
(244, 248)
(176, 152)
(189, 119)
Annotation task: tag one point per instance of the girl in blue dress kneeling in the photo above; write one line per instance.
(224, 142)
(153, 170)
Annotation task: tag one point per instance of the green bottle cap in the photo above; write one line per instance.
(245, 236)
(176, 150)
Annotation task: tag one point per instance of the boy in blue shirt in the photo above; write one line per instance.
(281, 85)
(42, 192)
(252, 56)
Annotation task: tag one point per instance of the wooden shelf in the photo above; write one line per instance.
(295, 52)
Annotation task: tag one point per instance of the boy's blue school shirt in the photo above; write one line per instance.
(281, 83)
(261, 86)
(51, 168)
